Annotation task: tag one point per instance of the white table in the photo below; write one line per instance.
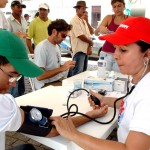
(55, 98)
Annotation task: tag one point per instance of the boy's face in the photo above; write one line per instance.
(7, 71)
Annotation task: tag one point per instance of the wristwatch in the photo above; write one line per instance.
(35, 116)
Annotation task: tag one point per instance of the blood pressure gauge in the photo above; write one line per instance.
(36, 117)
(35, 114)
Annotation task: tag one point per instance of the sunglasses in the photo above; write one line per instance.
(12, 79)
(63, 35)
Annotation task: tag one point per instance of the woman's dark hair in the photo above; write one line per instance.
(114, 1)
(3, 60)
(144, 46)
(59, 25)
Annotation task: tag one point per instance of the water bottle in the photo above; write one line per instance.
(101, 72)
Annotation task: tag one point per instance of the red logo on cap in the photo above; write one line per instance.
(124, 26)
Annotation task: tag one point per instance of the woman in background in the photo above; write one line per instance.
(109, 25)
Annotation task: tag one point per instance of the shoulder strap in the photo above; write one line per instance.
(113, 17)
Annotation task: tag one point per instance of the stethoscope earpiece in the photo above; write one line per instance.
(146, 61)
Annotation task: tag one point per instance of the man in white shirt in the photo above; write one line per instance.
(16, 21)
(48, 56)
(81, 43)
(17, 24)
(3, 21)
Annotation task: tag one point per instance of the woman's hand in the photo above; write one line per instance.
(104, 100)
(99, 96)
(98, 112)
(103, 30)
(65, 127)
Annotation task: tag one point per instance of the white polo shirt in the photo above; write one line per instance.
(10, 117)
(3, 22)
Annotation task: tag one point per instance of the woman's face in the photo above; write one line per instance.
(3, 3)
(129, 59)
(118, 8)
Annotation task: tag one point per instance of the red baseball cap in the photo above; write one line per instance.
(131, 30)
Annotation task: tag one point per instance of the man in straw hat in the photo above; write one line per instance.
(80, 40)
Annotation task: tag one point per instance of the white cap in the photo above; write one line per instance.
(44, 5)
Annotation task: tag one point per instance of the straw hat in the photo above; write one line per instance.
(80, 4)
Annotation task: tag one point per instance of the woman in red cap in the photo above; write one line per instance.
(132, 54)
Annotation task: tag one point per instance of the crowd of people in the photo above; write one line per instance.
(126, 50)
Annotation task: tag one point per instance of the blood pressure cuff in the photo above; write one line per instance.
(45, 111)
(31, 128)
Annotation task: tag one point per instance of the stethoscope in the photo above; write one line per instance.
(73, 113)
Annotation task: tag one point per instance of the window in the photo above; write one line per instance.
(96, 15)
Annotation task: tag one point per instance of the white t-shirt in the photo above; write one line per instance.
(3, 22)
(10, 117)
(135, 113)
(48, 56)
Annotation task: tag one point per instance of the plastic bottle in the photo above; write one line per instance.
(101, 72)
